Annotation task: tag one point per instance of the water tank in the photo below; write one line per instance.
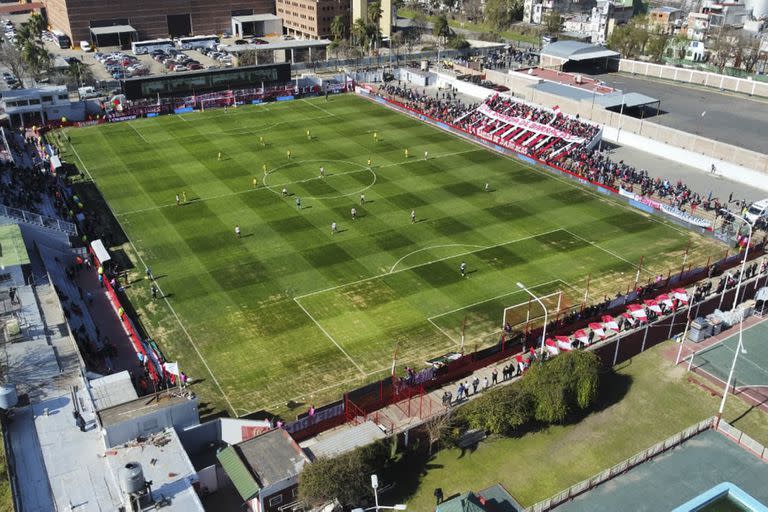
(132, 478)
(8, 396)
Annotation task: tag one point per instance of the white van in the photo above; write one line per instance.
(757, 210)
(85, 46)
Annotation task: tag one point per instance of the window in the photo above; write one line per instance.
(63, 97)
(34, 101)
(295, 492)
(47, 98)
(275, 500)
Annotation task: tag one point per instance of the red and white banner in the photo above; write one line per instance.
(528, 124)
(653, 306)
(597, 329)
(610, 323)
(681, 295)
(551, 347)
(564, 343)
(664, 299)
(638, 312)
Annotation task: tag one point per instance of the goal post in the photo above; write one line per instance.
(524, 316)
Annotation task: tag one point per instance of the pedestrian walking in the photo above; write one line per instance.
(475, 383)
(495, 376)
(485, 383)
(237, 231)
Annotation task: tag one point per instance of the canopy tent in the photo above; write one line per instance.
(101, 253)
(664, 299)
(551, 347)
(610, 322)
(681, 295)
(652, 305)
(581, 336)
(564, 343)
(638, 311)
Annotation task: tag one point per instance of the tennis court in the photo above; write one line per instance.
(751, 373)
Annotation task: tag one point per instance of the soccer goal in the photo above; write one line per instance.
(528, 315)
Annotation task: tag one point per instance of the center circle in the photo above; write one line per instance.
(340, 178)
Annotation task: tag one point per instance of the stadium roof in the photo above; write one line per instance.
(114, 29)
(630, 99)
(577, 51)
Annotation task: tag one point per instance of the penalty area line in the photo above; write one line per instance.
(327, 334)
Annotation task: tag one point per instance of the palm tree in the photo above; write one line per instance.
(374, 20)
(36, 57)
(36, 24)
(441, 29)
(360, 33)
(338, 27)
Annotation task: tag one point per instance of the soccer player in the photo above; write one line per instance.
(153, 290)
(184, 197)
(487, 187)
(463, 269)
(375, 136)
(369, 162)
(362, 199)
(298, 203)
(289, 154)
(237, 231)
(264, 168)
(178, 200)
(413, 216)
(309, 135)
(261, 141)
(255, 182)
(285, 192)
(426, 155)
(322, 172)
(333, 228)
(219, 157)
(354, 213)
(406, 153)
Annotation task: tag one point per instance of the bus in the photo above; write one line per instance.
(145, 47)
(61, 39)
(197, 42)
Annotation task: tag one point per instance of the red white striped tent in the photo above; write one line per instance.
(681, 295)
(638, 311)
(598, 330)
(564, 343)
(551, 347)
(519, 358)
(652, 305)
(581, 336)
(629, 318)
(664, 299)
(609, 322)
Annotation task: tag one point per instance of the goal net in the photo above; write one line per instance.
(528, 315)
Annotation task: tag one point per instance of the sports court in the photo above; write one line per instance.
(677, 476)
(751, 374)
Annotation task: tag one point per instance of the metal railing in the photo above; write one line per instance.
(38, 220)
(621, 467)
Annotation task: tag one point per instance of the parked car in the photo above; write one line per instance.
(179, 67)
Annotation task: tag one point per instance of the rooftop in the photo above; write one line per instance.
(112, 390)
(139, 407)
(35, 92)
(255, 17)
(114, 29)
(666, 9)
(346, 440)
(577, 51)
(277, 44)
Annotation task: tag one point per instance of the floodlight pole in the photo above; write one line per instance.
(746, 252)
(544, 330)
(739, 348)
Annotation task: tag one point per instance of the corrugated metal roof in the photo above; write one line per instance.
(575, 50)
(237, 472)
(347, 440)
(114, 29)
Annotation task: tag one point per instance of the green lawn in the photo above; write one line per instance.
(479, 27)
(293, 312)
(646, 402)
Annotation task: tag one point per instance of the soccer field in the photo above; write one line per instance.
(291, 311)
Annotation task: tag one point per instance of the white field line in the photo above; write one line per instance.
(497, 297)
(167, 302)
(378, 276)
(81, 162)
(434, 247)
(457, 342)
(593, 244)
(741, 389)
(329, 336)
(746, 358)
(138, 133)
(181, 116)
(318, 107)
(717, 344)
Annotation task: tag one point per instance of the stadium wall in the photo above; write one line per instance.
(730, 160)
(696, 77)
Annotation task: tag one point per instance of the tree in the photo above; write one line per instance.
(79, 73)
(437, 427)
(36, 25)
(346, 477)
(458, 42)
(11, 56)
(360, 33)
(338, 28)
(441, 29)
(630, 39)
(657, 43)
(499, 411)
(563, 385)
(553, 22)
(498, 13)
(751, 53)
(37, 58)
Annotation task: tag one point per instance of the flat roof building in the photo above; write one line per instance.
(311, 19)
(151, 19)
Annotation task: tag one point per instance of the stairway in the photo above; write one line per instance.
(35, 219)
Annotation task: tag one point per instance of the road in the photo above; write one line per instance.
(730, 118)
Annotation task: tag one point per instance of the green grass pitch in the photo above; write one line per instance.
(293, 312)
